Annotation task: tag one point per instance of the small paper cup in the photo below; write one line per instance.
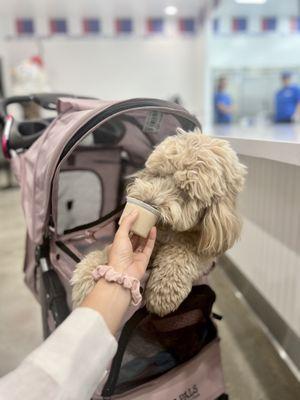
(147, 217)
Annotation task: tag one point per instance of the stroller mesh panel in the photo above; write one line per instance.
(88, 186)
(103, 237)
(156, 345)
(79, 198)
(145, 358)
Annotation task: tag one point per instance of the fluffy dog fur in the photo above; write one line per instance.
(193, 180)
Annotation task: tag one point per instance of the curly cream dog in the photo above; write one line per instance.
(193, 180)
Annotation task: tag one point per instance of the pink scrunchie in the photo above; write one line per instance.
(129, 282)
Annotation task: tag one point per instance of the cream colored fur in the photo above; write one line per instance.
(193, 180)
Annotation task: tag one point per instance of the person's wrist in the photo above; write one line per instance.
(114, 288)
(118, 281)
(126, 270)
(118, 298)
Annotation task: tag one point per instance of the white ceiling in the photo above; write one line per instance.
(24, 8)
(140, 8)
(277, 8)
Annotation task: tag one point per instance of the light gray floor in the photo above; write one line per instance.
(20, 327)
(253, 370)
(252, 367)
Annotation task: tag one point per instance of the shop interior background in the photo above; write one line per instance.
(159, 59)
(178, 49)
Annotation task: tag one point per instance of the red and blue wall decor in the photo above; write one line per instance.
(58, 25)
(155, 25)
(269, 24)
(187, 25)
(124, 25)
(239, 24)
(24, 26)
(91, 26)
(295, 24)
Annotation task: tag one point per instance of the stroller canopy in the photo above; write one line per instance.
(135, 126)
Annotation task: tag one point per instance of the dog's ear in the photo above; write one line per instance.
(220, 227)
(173, 153)
(206, 168)
(198, 184)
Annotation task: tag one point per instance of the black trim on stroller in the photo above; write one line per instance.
(52, 293)
(132, 323)
(66, 250)
(97, 222)
(55, 296)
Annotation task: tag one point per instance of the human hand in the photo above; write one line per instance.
(131, 254)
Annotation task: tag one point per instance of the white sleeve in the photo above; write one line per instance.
(68, 366)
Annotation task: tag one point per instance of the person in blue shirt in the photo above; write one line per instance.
(287, 100)
(222, 103)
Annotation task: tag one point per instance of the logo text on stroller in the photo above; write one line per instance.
(153, 122)
(190, 394)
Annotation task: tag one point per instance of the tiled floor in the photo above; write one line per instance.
(253, 369)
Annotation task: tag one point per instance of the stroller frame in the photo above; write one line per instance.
(46, 250)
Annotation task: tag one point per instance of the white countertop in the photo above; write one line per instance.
(274, 142)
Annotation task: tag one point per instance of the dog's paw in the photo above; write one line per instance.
(82, 280)
(164, 297)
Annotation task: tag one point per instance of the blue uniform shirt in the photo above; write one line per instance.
(221, 117)
(286, 102)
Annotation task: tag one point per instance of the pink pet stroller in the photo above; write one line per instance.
(72, 170)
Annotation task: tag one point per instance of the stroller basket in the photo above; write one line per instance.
(73, 171)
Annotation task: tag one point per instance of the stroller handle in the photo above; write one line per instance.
(21, 135)
(44, 100)
(12, 100)
(14, 139)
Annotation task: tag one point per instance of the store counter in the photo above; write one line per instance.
(265, 263)
(274, 142)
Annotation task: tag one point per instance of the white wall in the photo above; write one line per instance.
(268, 253)
(202, 87)
(110, 66)
(258, 51)
(269, 8)
(5, 81)
(255, 49)
(114, 68)
(106, 10)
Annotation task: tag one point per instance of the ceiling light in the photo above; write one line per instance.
(251, 1)
(171, 10)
